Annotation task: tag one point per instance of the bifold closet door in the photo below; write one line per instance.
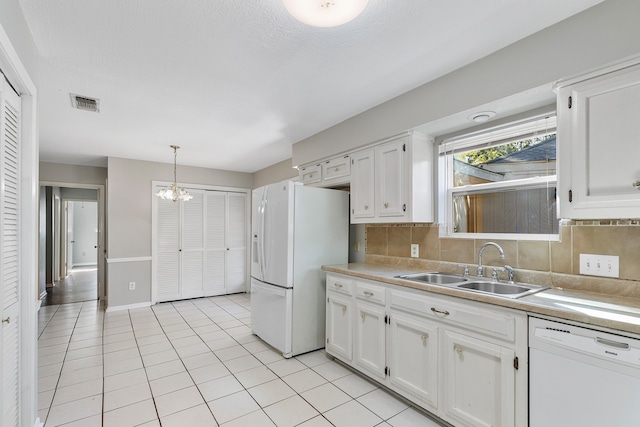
(168, 250)
(215, 280)
(237, 243)
(193, 244)
(9, 255)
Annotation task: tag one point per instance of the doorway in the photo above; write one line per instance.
(71, 250)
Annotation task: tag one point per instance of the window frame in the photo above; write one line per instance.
(539, 125)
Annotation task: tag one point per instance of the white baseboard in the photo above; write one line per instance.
(43, 294)
(128, 306)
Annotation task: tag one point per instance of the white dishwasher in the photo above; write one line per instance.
(582, 377)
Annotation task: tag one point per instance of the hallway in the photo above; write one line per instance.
(79, 286)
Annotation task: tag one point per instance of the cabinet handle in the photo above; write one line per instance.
(459, 350)
(435, 310)
(337, 169)
(337, 285)
(386, 205)
(7, 320)
(362, 315)
(424, 339)
(344, 309)
(366, 207)
(368, 294)
(636, 184)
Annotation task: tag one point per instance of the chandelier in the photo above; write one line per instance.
(325, 13)
(173, 192)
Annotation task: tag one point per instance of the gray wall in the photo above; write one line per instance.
(129, 211)
(274, 173)
(79, 194)
(602, 34)
(57, 172)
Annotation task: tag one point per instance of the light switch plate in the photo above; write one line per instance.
(600, 265)
(415, 250)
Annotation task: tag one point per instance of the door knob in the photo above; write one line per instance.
(7, 320)
(636, 184)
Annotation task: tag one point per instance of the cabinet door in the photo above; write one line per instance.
(413, 359)
(478, 383)
(389, 196)
(362, 185)
(370, 338)
(598, 133)
(336, 170)
(310, 174)
(339, 327)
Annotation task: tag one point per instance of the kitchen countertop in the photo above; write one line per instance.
(613, 312)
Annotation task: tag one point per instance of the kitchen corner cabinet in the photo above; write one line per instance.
(464, 361)
(598, 133)
(392, 181)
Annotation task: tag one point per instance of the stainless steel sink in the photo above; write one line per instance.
(508, 290)
(434, 278)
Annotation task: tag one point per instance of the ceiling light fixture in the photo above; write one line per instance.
(325, 13)
(173, 192)
(482, 116)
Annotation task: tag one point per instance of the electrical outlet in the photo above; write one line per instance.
(600, 265)
(132, 286)
(415, 250)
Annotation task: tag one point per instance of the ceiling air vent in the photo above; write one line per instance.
(85, 103)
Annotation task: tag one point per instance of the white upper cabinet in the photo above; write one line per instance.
(598, 135)
(328, 173)
(392, 181)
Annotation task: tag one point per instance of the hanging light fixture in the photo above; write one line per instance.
(173, 192)
(325, 13)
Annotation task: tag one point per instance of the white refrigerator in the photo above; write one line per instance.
(295, 230)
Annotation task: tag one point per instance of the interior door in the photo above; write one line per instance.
(9, 255)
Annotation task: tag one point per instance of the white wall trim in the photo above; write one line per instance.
(130, 259)
(128, 307)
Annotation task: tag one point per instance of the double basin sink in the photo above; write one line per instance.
(473, 284)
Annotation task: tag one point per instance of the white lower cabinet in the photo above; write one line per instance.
(464, 361)
(479, 389)
(370, 338)
(413, 359)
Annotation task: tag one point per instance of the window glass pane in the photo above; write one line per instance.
(519, 210)
(514, 160)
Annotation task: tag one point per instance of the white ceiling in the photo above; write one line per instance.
(237, 82)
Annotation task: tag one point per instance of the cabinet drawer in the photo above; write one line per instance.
(469, 316)
(369, 292)
(310, 174)
(339, 285)
(336, 168)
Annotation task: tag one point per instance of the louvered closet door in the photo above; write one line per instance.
(214, 282)
(237, 243)
(167, 274)
(9, 260)
(193, 241)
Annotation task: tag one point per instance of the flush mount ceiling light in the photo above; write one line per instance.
(482, 116)
(173, 192)
(325, 13)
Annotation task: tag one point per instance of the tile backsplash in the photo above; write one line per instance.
(611, 237)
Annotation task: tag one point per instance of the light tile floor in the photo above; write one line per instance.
(194, 363)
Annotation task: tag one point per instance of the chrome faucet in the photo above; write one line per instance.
(495, 245)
